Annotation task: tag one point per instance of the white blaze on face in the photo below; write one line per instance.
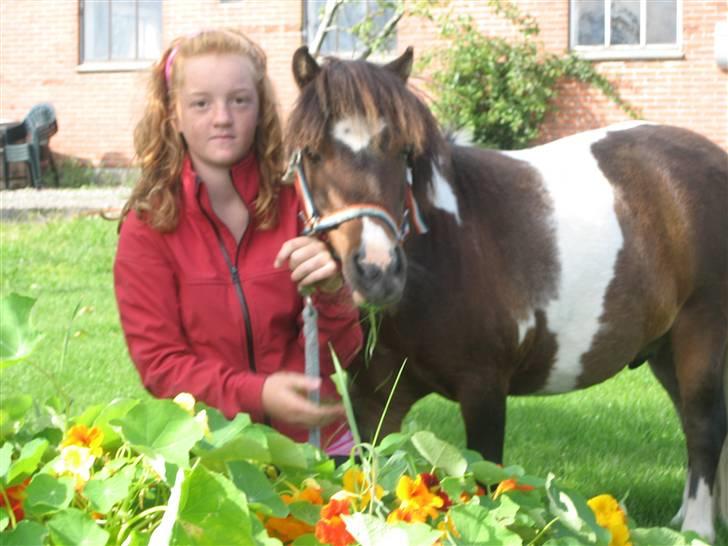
(441, 194)
(355, 132)
(376, 245)
(588, 240)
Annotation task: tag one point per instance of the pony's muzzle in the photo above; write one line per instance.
(379, 282)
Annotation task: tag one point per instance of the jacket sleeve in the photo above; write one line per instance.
(147, 298)
(338, 320)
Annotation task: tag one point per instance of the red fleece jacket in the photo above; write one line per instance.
(183, 315)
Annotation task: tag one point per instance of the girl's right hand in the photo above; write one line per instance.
(285, 398)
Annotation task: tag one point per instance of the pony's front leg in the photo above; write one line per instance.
(483, 404)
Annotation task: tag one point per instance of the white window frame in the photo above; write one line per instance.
(110, 64)
(627, 51)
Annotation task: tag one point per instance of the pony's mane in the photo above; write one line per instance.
(358, 88)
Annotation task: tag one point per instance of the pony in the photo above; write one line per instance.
(500, 273)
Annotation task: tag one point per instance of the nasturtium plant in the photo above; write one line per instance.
(161, 472)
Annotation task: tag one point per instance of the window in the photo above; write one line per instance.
(338, 40)
(120, 30)
(608, 29)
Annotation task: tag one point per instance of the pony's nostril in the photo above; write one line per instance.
(367, 272)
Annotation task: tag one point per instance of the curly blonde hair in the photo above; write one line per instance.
(160, 149)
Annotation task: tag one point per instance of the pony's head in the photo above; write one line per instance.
(355, 136)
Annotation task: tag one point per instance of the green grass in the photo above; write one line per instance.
(621, 437)
(64, 264)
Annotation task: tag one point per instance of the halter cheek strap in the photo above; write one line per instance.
(317, 223)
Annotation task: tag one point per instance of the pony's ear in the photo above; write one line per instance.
(402, 65)
(305, 67)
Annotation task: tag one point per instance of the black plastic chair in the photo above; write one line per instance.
(29, 143)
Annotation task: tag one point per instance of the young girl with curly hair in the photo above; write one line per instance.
(210, 264)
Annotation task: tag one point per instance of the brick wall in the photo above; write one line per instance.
(97, 111)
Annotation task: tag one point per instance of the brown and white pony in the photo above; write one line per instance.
(540, 271)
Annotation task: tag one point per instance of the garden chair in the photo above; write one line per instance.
(29, 143)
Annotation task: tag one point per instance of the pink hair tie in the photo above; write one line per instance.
(168, 65)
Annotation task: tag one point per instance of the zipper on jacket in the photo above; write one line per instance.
(235, 276)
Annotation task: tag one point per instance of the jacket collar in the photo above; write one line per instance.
(245, 178)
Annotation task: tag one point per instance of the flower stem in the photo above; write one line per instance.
(126, 527)
(9, 508)
(542, 531)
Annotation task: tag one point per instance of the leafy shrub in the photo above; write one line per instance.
(175, 472)
(500, 91)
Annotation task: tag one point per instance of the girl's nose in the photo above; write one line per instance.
(222, 114)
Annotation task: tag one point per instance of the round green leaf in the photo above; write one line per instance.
(27, 533)
(17, 339)
(27, 462)
(439, 416)
(212, 511)
(439, 454)
(254, 483)
(160, 428)
(48, 494)
(104, 494)
(75, 528)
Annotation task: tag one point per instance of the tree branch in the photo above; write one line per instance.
(387, 29)
(324, 25)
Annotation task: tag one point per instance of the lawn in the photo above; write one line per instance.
(621, 437)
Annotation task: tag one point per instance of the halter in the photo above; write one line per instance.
(315, 222)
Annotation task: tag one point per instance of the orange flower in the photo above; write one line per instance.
(331, 529)
(510, 485)
(419, 499)
(289, 528)
(16, 496)
(82, 436)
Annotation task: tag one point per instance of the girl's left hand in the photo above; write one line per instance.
(310, 263)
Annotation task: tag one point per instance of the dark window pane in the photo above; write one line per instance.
(625, 22)
(150, 29)
(661, 21)
(589, 18)
(96, 31)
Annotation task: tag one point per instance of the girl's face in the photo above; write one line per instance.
(217, 109)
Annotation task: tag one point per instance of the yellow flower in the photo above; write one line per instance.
(75, 461)
(354, 481)
(611, 516)
(185, 401)
(82, 436)
(417, 501)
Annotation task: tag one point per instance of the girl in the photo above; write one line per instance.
(205, 300)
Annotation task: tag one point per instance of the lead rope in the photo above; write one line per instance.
(312, 367)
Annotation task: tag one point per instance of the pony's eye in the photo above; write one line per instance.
(313, 157)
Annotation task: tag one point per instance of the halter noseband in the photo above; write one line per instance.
(315, 222)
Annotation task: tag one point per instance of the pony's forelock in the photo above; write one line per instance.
(359, 89)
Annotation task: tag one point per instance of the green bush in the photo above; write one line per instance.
(499, 91)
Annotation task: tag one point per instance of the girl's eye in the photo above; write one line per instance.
(242, 100)
(199, 103)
